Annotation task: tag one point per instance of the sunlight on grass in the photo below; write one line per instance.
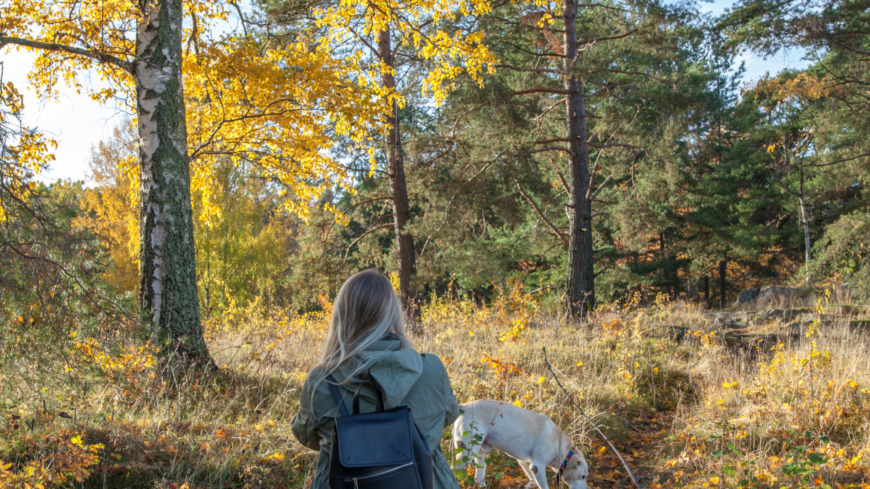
(102, 410)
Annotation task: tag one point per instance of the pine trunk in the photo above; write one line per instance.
(581, 274)
(807, 244)
(167, 287)
(398, 188)
(723, 284)
(706, 291)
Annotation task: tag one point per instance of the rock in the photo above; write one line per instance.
(771, 294)
(731, 320)
(800, 327)
(782, 314)
(747, 297)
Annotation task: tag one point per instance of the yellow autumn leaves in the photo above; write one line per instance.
(23, 152)
(418, 24)
(278, 106)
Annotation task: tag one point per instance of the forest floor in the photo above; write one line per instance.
(778, 397)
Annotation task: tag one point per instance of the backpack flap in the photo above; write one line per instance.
(389, 431)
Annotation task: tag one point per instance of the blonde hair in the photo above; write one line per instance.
(365, 311)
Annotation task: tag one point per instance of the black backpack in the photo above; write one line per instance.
(379, 450)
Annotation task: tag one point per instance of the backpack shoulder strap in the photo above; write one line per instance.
(330, 380)
(356, 396)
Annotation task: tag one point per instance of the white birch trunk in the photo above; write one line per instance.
(167, 289)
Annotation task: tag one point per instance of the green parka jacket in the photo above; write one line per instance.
(406, 378)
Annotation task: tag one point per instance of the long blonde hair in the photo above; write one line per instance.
(365, 311)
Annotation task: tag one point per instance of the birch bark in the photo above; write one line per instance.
(167, 287)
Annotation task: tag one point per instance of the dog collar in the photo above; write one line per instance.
(567, 459)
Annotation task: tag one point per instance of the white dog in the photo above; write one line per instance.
(531, 438)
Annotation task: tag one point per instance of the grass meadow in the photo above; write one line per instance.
(100, 410)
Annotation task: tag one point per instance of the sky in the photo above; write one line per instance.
(79, 124)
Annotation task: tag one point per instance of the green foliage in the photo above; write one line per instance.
(844, 252)
(51, 288)
(242, 255)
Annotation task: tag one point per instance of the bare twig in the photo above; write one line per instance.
(545, 288)
(541, 215)
(600, 188)
(594, 425)
(564, 183)
(363, 235)
(819, 165)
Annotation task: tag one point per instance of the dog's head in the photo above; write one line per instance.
(577, 471)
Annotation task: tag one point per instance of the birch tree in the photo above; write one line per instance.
(272, 105)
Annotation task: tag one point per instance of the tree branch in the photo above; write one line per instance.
(532, 70)
(541, 214)
(537, 90)
(545, 288)
(604, 184)
(549, 141)
(590, 41)
(564, 183)
(370, 231)
(819, 165)
(101, 57)
(591, 179)
(366, 43)
(612, 145)
(784, 186)
(641, 74)
(550, 148)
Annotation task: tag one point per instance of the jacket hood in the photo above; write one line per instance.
(395, 371)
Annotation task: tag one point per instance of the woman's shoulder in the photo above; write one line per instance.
(433, 365)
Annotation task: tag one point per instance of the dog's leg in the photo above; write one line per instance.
(539, 474)
(525, 466)
(480, 471)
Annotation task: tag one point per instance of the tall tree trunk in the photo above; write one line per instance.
(580, 289)
(706, 291)
(167, 287)
(806, 221)
(723, 283)
(807, 252)
(398, 188)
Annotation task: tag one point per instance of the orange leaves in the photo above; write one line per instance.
(503, 368)
(58, 458)
(801, 87)
(615, 325)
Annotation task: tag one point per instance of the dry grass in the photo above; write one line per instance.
(692, 415)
